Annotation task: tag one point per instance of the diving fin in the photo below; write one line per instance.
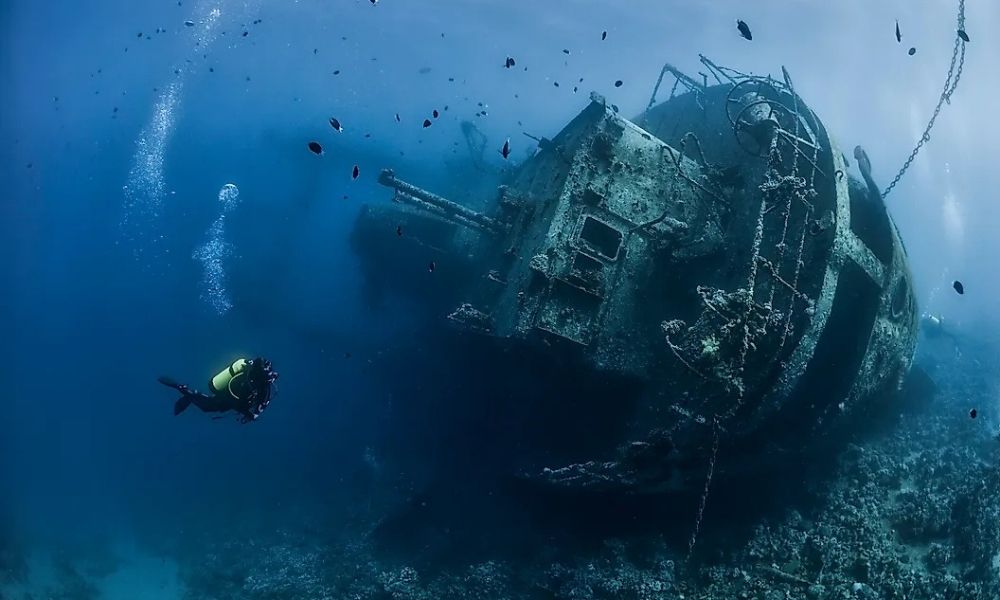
(182, 403)
(169, 382)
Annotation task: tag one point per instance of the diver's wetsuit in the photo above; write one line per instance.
(216, 403)
(206, 403)
(249, 398)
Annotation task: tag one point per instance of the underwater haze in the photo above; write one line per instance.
(163, 213)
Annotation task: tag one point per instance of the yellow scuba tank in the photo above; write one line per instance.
(229, 379)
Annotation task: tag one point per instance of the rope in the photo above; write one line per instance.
(704, 493)
(796, 189)
(751, 289)
(677, 353)
(950, 84)
(680, 172)
(800, 191)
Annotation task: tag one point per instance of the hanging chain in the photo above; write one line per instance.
(950, 83)
(704, 493)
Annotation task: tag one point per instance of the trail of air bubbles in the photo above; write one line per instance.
(146, 188)
(213, 253)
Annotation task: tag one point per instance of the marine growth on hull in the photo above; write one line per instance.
(713, 251)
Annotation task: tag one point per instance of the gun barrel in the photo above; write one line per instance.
(407, 192)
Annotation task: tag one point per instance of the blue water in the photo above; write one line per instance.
(124, 257)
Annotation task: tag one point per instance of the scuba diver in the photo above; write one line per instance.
(246, 387)
(933, 326)
(935, 329)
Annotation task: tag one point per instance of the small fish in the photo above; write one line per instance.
(246, 33)
(189, 23)
(436, 114)
(397, 117)
(355, 172)
(399, 230)
(618, 83)
(431, 266)
(604, 36)
(315, 148)
(565, 51)
(505, 151)
(427, 122)
(958, 287)
(510, 63)
(899, 36)
(911, 51)
(963, 35)
(337, 72)
(555, 83)
(336, 125)
(374, 2)
(744, 29)
(973, 413)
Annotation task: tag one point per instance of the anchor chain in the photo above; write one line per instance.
(950, 83)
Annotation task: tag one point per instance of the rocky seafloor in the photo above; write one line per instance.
(908, 517)
(909, 512)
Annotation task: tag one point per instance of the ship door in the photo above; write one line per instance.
(573, 304)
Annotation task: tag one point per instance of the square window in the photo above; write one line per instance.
(601, 237)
